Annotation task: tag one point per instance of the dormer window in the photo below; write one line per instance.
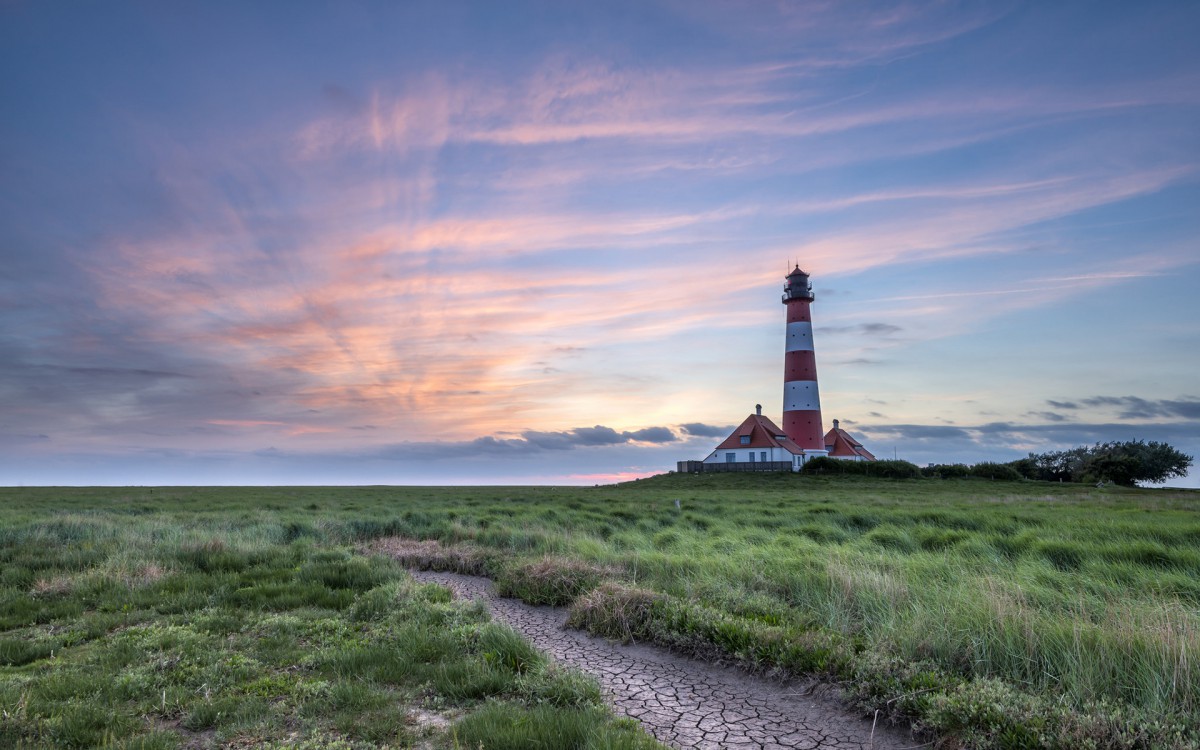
(745, 440)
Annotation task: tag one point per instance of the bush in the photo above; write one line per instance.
(994, 471)
(946, 471)
(893, 470)
(1026, 467)
(823, 465)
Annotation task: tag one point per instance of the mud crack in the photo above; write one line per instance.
(683, 702)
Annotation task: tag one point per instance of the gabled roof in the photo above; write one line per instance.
(841, 443)
(763, 434)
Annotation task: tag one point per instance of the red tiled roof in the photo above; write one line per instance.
(840, 443)
(763, 434)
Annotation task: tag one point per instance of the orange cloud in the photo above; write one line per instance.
(447, 322)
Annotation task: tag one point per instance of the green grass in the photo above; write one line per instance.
(997, 614)
(1081, 606)
(206, 618)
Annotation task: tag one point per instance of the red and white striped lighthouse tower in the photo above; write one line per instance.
(801, 402)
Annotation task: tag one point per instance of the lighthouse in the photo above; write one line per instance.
(757, 444)
(801, 401)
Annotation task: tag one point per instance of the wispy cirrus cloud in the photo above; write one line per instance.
(454, 240)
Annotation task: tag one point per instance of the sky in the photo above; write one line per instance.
(545, 242)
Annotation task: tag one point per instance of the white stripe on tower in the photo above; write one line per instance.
(801, 395)
(799, 336)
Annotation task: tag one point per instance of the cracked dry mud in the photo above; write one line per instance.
(683, 702)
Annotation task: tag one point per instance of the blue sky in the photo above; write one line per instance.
(545, 242)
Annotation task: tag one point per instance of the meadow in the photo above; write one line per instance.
(152, 618)
(986, 614)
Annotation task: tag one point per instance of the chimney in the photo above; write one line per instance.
(835, 424)
(758, 409)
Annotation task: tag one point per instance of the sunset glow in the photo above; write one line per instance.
(528, 242)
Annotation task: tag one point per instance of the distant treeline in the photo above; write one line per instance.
(1123, 463)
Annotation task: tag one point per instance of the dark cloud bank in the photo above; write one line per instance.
(586, 454)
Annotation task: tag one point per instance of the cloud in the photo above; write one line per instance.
(1134, 407)
(699, 429)
(1007, 435)
(653, 435)
(370, 297)
(866, 329)
(567, 440)
(862, 361)
(598, 435)
(834, 39)
(442, 251)
(918, 432)
(1063, 404)
(1049, 416)
(22, 437)
(113, 372)
(530, 443)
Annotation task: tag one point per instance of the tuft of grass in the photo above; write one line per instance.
(551, 580)
(501, 645)
(472, 678)
(553, 684)
(87, 725)
(432, 555)
(505, 726)
(16, 652)
(616, 611)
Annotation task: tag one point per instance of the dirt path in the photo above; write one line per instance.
(683, 702)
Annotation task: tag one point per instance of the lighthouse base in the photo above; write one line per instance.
(805, 456)
(794, 465)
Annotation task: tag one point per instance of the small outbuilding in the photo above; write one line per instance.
(757, 444)
(842, 444)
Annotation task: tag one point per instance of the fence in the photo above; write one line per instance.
(698, 467)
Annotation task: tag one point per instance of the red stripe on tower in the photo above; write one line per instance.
(801, 401)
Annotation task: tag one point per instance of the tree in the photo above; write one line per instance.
(1113, 467)
(1138, 461)
(1055, 466)
(1125, 463)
